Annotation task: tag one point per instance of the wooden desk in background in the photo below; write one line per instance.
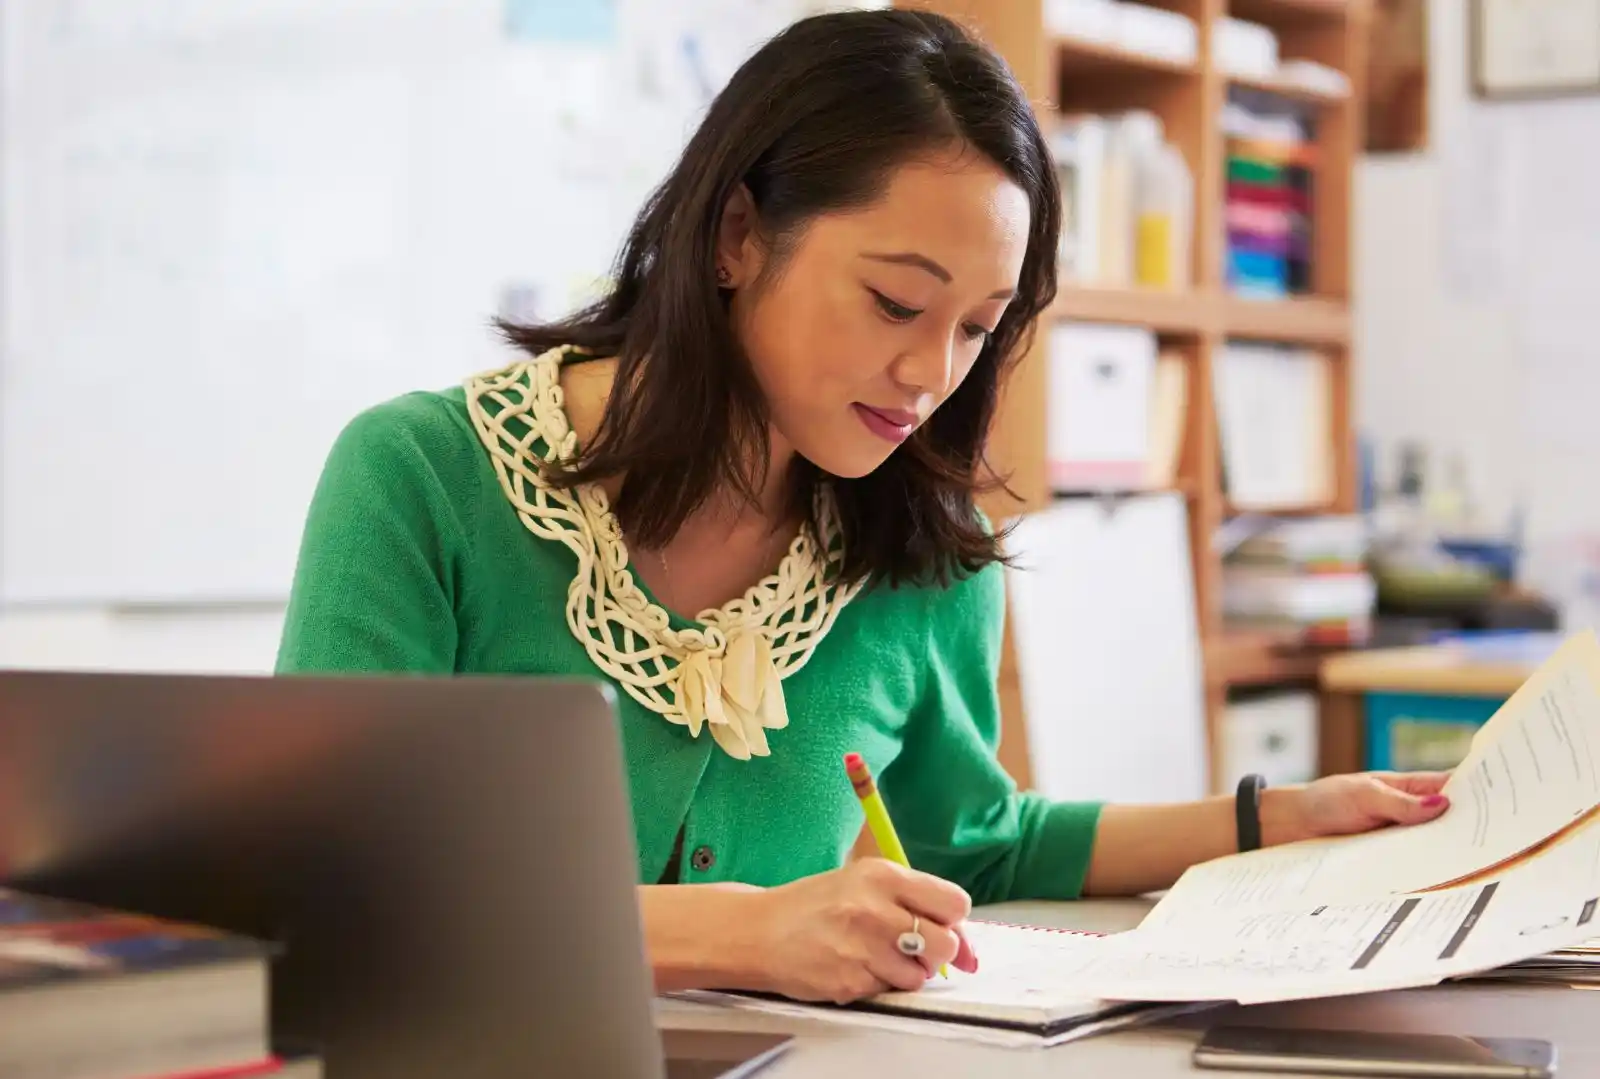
(1453, 685)
(828, 1051)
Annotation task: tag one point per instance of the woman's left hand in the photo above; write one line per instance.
(1347, 804)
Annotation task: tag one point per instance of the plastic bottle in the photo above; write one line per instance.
(1164, 200)
(1135, 137)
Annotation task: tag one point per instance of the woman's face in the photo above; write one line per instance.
(876, 315)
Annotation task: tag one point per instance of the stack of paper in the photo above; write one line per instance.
(1579, 966)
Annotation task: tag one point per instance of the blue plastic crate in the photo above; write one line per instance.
(1419, 732)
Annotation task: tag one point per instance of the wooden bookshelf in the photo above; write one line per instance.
(1283, 11)
(1092, 60)
(1063, 75)
(1293, 91)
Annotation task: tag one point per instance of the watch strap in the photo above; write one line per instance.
(1247, 811)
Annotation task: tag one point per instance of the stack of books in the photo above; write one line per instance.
(1271, 160)
(1303, 578)
(90, 993)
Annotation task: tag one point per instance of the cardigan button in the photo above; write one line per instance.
(702, 858)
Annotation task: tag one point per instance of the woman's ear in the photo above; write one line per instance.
(738, 241)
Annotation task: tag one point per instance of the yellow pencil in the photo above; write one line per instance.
(878, 821)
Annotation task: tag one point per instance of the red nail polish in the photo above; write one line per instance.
(1433, 800)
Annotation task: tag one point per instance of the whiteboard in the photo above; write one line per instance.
(228, 228)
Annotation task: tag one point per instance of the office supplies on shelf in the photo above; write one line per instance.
(1128, 202)
(1271, 162)
(1270, 733)
(1101, 594)
(1099, 406)
(1245, 48)
(1314, 609)
(1274, 426)
(1158, 33)
(1136, 29)
(1083, 20)
(1303, 579)
(1318, 78)
(1169, 405)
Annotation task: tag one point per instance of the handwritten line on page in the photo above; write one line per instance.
(1530, 776)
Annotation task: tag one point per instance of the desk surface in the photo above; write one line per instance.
(1442, 669)
(1566, 1017)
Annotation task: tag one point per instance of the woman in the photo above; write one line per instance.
(775, 420)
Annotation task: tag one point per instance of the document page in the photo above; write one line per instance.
(1533, 771)
(1538, 905)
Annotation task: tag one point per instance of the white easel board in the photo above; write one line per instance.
(1108, 650)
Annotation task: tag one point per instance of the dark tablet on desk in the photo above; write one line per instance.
(709, 1054)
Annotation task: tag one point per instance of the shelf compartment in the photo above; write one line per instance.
(1289, 90)
(1162, 310)
(1277, 13)
(1240, 658)
(1311, 509)
(1295, 321)
(1077, 58)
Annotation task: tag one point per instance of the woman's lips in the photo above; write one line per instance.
(891, 424)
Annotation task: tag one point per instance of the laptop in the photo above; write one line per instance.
(446, 866)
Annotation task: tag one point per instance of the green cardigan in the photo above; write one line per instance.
(413, 560)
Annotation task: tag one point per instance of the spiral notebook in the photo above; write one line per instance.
(1029, 981)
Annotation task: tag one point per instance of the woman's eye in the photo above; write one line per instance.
(897, 312)
(977, 333)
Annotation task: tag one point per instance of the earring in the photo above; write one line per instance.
(724, 276)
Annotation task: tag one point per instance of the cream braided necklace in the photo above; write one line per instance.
(724, 673)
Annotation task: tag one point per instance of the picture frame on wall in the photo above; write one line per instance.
(1397, 77)
(1535, 48)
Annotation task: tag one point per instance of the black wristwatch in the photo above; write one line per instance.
(1247, 811)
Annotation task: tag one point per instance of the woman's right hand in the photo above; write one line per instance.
(834, 936)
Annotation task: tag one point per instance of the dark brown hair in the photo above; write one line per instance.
(816, 121)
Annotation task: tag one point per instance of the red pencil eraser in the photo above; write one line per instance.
(853, 760)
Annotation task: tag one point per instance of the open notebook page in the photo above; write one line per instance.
(1533, 771)
(1026, 975)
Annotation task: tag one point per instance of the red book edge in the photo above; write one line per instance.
(268, 1066)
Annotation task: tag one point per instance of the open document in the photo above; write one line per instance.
(1537, 905)
(1531, 777)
